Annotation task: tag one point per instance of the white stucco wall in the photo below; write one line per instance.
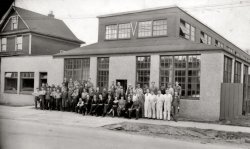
(208, 106)
(122, 67)
(155, 69)
(93, 70)
(36, 64)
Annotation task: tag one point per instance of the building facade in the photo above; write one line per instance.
(27, 42)
(161, 45)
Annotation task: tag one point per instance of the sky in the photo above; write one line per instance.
(229, 18)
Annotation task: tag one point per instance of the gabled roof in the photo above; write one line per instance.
(46, 25)
(137, 47)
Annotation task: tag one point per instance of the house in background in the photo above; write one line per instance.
(165, 45)
(27, 42)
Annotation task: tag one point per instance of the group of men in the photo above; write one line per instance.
(82, 97)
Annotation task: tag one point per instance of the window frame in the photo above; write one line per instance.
(218, 44)
(102, 73)
(151, 29)
(227, 69)
(110, 35)
(31, 77)
(17, 44)
(237, 71)
(72, 66)
(1, 44)
(173, 69)
(142, 70)
(207, 37)
(5, 82)
(191, 31)
(159, 26)
(126, 29)
(12, 23)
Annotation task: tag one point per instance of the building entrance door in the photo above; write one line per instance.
(123, 84)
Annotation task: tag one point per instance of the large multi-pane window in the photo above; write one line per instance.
(14, 22)
(77, 69)
(10, 82)
(124, 31)
(152, 28)
(237, 72)
(160, 27)
(166, 70)
(111, 32)
(183, 69)
(27, 82)
(145, 29)
(227, 76)
(206, 39)
(102, 72)
(19, 43)
(143, 70)
(187, 31)
(3, 43)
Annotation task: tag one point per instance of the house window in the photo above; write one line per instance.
(145, 29)
(102, 72)
(219, 44)
(14, 22)
(183, 69)
(43, 76)
(187, 31)
(205, 38)
(111, 32)
(237, 72)
(10, 82)
(3, 44)
(160, 27)
(77, 69)
(124, 31)
(19, 43)
(143, 70)
(27, 82)
(228, 62)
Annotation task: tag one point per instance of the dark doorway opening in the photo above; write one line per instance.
(123, 84)
(42, 78)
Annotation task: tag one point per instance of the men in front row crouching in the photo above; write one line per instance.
(121, 107)
(80, 106)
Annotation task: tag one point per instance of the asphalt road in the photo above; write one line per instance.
(22, 128)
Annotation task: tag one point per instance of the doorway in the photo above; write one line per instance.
(42, 78)
(123, 84)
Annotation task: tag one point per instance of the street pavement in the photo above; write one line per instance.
(27, 128)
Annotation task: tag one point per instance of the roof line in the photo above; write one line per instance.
(5, 15)
(136, 11)
(59, 37)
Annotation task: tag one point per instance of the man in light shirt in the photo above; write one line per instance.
(167, 105)
(159, 105)
(146, 104)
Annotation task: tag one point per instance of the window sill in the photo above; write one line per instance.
(10, 92)
(160, 36)
(26, 92)
(191, 98)
(118, 39)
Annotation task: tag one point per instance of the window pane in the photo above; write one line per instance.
(145, 29)
(227, 70)
(111, 32)
(124, 31)
(160, 27)
(143, 70)
(102, 72)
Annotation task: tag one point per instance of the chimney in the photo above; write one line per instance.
(51, 15)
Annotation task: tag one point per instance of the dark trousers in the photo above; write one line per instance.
(64, 104)
(58, 104)
(92, 109)
(120, 111)
(114, 110)
(174, 112)
(106, 109)
(47, 104)
(99, 109)
(42, 103)
(37, 99)
(132, 111)
(79, 109)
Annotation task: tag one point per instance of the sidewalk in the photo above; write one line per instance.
(72, 119)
